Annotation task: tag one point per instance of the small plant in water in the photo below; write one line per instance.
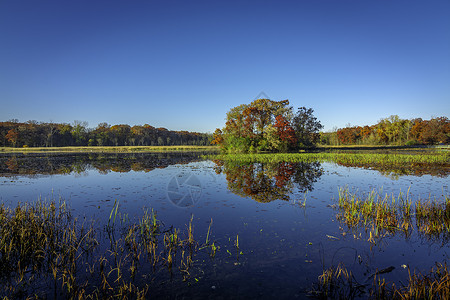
(47, 253)
(379, 215)
(339, 283)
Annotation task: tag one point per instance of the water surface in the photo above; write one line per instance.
(281, 213)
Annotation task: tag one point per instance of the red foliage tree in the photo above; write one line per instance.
(348, 135)
(285, 130)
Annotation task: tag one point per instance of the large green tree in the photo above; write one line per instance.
(306, 126)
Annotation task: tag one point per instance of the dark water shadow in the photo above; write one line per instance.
(34, 164)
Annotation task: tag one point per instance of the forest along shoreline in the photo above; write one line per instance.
(130, 149)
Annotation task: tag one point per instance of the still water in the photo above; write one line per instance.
(282, 215)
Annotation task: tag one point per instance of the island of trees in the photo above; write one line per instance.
(267, 125)
(35, 134)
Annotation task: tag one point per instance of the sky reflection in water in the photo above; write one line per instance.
(283, 243)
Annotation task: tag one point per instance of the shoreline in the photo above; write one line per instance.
(100, 149)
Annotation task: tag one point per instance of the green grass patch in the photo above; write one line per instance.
(341, 158)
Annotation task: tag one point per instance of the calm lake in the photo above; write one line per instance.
(275, 224)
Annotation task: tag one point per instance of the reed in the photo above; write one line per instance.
(380, 215)
(433, 285)
(339, 283)
(46, 253)
(113, 211)
(433, 218)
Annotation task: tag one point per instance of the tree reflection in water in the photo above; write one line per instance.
(266, 182)
(60, 163)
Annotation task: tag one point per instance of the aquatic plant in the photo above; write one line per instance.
(434, 284)
(380, 215)
(339, 283)
(433, 217)
(41, 238)
(45, 252)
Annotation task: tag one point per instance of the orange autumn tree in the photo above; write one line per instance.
(12, 137)
(217, 137)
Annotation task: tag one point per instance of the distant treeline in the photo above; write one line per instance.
(35, 134)
(392, 131)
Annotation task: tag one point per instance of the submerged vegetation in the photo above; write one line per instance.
(385, 215)
(47, 253)
(340, 283)
(379, 217)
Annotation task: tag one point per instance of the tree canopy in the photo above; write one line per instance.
(35, 134)
(393, 131)
(267, 125)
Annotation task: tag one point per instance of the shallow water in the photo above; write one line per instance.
(284, 245)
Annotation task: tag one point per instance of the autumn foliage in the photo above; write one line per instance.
(34, 134)
(396, 131)
(266, 125)
(285, 131)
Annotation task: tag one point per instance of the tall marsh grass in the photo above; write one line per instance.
(339, 283)
(380, 215)
(47, 253)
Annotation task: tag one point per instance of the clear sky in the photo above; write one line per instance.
(183, 64)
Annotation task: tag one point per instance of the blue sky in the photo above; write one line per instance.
(183, 64)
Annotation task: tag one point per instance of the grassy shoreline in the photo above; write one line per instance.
(108, 149)
(345, 158)
(383, 147)
(361, 148)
